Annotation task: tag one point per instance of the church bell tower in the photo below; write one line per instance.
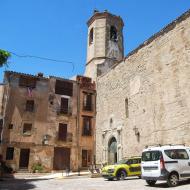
(105, 43)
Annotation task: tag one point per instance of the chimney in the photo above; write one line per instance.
(40, 74)
(95, 11)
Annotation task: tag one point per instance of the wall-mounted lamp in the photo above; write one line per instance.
(137, 133)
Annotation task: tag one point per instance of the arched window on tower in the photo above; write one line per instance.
(91, 36)
(113, 33)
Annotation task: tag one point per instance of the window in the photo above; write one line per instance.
(87, 126)
(27, 127)
(151, 155)
(27, 82)
(113, 33)
(62, 133)
(9, 153)
(30, 105)
(10, 126)
(111, 122)
(126, 107)
(64, 109)
(87, 102)
(91, 36)
(64, 88)
(180, 154)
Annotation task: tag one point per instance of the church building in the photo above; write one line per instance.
(143, 98)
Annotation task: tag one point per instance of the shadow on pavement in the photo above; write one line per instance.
(18, 184)
(165, 185)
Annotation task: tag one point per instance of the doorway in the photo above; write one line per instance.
(112, 151)
(24, 158)
(61, 158)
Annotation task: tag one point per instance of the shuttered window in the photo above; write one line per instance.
(62, 133)
(27, 82)
(30, 105)
(64, 106)
(64, 88)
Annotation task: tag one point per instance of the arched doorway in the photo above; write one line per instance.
(112, 151)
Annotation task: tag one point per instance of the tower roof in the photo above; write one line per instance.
(100, 15)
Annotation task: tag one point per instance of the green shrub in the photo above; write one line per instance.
(37, 167)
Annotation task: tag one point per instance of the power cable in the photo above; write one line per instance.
(44, 58)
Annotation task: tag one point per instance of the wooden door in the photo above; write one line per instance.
(24, 158)
(61, 158)
(84, 158)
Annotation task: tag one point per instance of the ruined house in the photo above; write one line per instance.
(142, 98)
(48, 121)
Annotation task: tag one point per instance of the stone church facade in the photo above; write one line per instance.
(142, 98)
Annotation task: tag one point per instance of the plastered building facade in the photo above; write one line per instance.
(144, 98)
(47, 121)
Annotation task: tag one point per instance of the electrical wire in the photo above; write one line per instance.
(44, 58)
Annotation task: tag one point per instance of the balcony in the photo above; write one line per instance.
(88, 107)
(67, 138)
(64, 111)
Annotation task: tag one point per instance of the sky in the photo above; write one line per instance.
(56, 29)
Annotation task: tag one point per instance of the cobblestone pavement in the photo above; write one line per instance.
(84, 183)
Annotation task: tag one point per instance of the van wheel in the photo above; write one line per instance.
(150, 182)
(173, 180)
(121, 175)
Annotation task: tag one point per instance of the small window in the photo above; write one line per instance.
(87, 126)
(10, 126)
(30, 105)
(91, 36)
(126, 107)
(87, 102)
(9, 153)
(27, 128)
(113, 33)
(111, 122)
(180, 154)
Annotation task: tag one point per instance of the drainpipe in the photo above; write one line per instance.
(78, 124)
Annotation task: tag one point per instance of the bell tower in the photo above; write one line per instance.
(104, 44)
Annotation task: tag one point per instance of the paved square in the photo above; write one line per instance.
(84, 183)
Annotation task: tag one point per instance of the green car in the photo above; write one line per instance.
(122, 169)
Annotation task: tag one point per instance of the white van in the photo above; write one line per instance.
(167, 162)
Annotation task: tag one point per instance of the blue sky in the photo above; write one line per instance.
(57, 29)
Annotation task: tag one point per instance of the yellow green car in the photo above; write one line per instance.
(123, 169)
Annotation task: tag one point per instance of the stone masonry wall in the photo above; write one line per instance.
(156, 82)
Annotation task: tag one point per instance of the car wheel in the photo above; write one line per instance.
(121, 175)
(173, 180)
(150, 182)
(110, 179)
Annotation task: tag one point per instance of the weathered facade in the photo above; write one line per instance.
(43, 122)
(144, 99)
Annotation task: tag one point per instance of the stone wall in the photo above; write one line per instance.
(155, 81)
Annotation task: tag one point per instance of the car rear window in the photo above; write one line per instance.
(151, 156)
(180, 154)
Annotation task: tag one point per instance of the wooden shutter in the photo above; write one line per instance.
(62, 134)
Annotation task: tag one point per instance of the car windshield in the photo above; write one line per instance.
(151, 155)
(122, 161)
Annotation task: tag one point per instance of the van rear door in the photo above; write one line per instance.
(150, 164)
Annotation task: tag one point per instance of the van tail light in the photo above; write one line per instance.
(162, 164)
